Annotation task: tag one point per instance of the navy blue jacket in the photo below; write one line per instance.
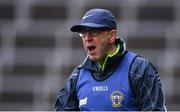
(143, 78)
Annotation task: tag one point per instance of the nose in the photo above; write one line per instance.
(88, 37)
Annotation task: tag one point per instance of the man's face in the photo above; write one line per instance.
(96, 43)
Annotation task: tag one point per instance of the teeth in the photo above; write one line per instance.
(91, 48)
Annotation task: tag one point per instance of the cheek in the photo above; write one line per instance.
(103, 47)
(84, 44)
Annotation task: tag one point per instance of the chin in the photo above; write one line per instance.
(94, 59)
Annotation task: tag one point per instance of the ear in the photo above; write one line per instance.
(112, 36)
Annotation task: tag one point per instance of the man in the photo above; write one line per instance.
(111, 77)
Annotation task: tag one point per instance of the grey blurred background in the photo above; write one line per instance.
(38, 51)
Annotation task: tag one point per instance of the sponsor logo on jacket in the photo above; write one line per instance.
(83, 101)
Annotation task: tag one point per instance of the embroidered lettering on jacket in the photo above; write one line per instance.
(99, 88)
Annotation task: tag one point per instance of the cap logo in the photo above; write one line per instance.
(87, 16)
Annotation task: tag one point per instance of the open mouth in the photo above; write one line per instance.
(91, 48)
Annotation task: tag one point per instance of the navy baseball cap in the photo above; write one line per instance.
(96, 18)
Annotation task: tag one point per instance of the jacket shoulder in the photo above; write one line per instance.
(137, 71)
(138, 65)
(146, 85)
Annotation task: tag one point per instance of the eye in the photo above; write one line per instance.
(94, 33)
